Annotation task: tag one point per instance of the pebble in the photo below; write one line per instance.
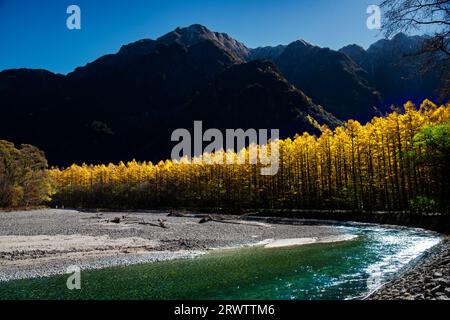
(429, 280)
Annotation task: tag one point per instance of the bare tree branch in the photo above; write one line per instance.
(432, 17)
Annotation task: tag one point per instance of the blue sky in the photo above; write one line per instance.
(33, 33)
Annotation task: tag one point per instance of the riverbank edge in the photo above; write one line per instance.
(438, 222)
(425, 279)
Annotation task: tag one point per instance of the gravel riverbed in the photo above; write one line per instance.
(46, 242)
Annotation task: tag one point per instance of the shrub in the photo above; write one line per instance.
(24, 180)
(423, 204)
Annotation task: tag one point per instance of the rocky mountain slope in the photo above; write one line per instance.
(126, 105)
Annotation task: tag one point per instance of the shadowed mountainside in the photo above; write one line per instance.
(358, 83)
(330, 78)
(125, 105)
(396, 70)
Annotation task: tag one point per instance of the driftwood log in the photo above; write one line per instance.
(161, 223)
(209, 218)
(206, 219)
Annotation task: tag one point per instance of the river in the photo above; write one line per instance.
(340, 270)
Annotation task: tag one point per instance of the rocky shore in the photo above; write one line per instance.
(428, 280)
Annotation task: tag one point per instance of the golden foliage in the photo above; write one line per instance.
(352, 167)
(23, 178)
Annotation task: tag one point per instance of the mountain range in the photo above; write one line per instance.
(126, 105)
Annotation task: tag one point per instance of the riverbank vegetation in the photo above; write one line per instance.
(397, 162)
(24, 181)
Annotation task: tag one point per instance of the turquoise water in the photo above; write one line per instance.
(341, 270)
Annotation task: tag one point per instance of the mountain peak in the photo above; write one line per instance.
(191, 33)
(400, 42)
(302, 43)
(353, 47)
(196, 33)
(196, 28)
(357, 53)
(263, 53)
(400, 36)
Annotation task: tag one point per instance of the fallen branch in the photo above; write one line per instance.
(206, 219)
(209, 218)
(161, 223)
